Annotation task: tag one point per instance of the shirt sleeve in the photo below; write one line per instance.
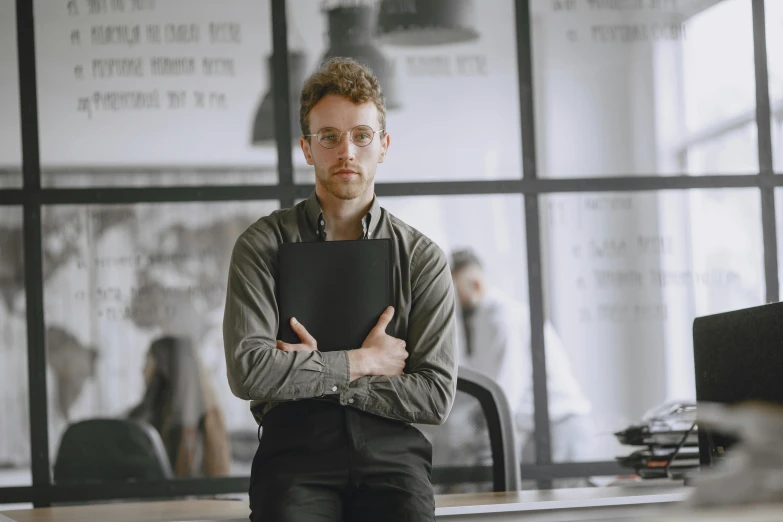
(425, 393)
(256, 369)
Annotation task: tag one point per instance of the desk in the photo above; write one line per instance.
(562, 504)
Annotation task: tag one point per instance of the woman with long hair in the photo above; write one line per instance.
(180, 404)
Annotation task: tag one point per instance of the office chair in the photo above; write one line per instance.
(111, 450)
(477, 445)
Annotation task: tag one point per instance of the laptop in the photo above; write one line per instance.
(738, 356)
(336, 289)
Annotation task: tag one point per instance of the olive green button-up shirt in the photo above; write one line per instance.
(424, 318)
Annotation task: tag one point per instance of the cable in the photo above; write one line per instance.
(677, 450)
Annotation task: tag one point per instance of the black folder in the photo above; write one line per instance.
(336, 289)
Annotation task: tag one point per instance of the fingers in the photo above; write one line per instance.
(385, 318)
(285, 347)
(302, 332)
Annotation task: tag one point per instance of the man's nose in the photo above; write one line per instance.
(346, 150)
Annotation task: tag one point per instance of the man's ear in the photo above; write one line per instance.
(308, 153)
(385, 141)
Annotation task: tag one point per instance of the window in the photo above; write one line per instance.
(779, 216)
(453, 108)
(774, 26)
(15, 428)
(624, 88)
(117, 279)
(10, 121)
(152, 93)
(625, 274)
(719, 86)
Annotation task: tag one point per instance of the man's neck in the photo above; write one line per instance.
(344, 217)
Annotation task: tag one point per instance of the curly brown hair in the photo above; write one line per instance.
(344, 77)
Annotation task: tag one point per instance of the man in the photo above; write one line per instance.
(496, 342)
(337, 443)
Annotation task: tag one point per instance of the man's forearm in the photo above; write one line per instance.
(424, 397)
(259, 372)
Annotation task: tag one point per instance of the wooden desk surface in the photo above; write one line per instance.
(523, 505)
(520, 501)
(165, 511)
(447, 506)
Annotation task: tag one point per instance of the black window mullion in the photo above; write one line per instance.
(766, 168)
(33, 258)
(280, 90)
(532, 237)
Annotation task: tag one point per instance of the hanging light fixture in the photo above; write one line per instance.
(425, 22)
(351, 34)
(264, 123)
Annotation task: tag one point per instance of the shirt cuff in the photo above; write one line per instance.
(355, 394)
(336, 374)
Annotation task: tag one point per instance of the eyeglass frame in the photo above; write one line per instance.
(340, 139)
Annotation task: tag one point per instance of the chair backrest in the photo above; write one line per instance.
(111, 450)
(478, 443)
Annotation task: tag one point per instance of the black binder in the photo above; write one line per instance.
(336, 289)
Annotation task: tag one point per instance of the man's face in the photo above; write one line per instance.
(346, 171)
(469, 285)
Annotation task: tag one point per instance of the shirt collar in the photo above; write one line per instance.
(315, 217)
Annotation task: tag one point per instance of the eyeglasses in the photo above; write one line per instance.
(329, 137)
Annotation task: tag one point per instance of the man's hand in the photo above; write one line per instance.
(308, 344)
(380, 354)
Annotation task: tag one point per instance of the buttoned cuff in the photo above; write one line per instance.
(354, 395)
(353, 398)
(336, 375)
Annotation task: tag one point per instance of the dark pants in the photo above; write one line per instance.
(321, 461)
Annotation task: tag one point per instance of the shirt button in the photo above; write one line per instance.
(334, 388)
(350, 401)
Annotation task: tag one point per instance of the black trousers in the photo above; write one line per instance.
(320, 461)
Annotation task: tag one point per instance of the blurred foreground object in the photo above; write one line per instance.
(752, 470)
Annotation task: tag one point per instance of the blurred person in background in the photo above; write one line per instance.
(495, 340)
(180, 404)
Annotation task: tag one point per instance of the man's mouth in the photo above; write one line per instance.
(345, 172)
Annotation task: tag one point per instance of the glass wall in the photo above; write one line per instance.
(637, 88)
(15, 428)
(10, 123)
(151, 93)
(176, 93)
(625, 275)
(452, 101)
(774, 29)
(120, 278)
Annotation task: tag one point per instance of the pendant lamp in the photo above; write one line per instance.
(425, 22)
(264, 123)
(351, 34)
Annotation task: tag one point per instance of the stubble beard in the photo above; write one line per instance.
(345, 189)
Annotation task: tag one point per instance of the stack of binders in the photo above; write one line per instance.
(668, 442)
